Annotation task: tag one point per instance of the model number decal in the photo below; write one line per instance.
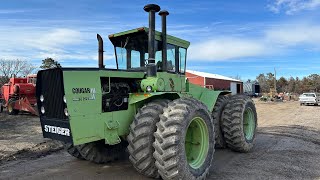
(81, 90)
(91, 91)
(57, 130)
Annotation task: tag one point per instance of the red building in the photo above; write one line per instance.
(215, 81)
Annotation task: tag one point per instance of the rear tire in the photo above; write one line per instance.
(239, 123)
(217, 120)
(141, 137)
(184, 140)
(11, 110)
(73, 151)
(99, 152)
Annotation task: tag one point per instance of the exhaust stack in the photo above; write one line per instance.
(151, 67)
(164, 15)
(100, 51)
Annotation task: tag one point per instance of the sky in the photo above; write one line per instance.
(233, 38)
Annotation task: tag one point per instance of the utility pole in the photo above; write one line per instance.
(275, 80)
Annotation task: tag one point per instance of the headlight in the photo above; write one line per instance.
(41, 98)
(149, 88)
(66, 112)
(64, 99)
(42, 110)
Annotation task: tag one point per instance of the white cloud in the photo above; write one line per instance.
(293, 6)
(273, 41)
(56, 39)
(226, 48)
(295, 34)
(13, 11)
(58, 43)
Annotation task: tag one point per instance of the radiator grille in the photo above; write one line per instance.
(50, 85)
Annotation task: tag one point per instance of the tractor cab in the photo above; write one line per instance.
(131, 51)
(32, 79)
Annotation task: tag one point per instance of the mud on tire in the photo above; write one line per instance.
(141, 137)
(217, 120)
(99, 152)
(172, 151)
(239, 123)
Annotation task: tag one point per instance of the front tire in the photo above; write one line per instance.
(141, 138)
(99, 152)
(184, 140)
(239, 123)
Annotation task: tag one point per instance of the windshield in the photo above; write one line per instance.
(132, 52)
(308, 95)
(133, 55)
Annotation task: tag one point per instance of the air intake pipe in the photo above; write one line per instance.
(151, 67)
(164, 15)
(100, 51)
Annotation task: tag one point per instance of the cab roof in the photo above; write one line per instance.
(170, 39)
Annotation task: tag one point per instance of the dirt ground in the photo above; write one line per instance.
(287, 146)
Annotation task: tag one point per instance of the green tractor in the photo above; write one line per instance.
(169, 127)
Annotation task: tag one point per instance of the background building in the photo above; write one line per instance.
(215, 81)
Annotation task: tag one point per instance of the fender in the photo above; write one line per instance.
(207, 96)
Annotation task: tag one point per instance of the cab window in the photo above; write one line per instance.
(171, 58)
(182, 60)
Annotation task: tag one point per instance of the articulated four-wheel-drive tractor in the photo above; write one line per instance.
(146, 105)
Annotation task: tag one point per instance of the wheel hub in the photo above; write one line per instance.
(248, 124)
(197, 142)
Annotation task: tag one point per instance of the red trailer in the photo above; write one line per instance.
(19, 95)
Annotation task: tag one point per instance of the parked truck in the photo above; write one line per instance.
(169, 126)
(19, 94)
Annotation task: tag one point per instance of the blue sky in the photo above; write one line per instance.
(232, 38)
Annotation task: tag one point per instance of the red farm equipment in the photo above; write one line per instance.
(19, 95)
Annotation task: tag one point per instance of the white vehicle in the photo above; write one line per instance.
(309, 98)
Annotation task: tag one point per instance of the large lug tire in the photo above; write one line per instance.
(73, 151)
(217, 119)
(184, 140)
(99, 152)
(11, 110)
(239, 123)
(141, 137)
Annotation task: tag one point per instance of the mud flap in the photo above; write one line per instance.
(56, 129)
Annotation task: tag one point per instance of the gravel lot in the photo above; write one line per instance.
(287, 146)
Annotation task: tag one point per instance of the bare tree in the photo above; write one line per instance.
(11, 68)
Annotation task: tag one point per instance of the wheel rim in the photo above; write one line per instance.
(248, 124)
(197, 142)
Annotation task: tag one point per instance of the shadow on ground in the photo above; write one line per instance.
(280, 152)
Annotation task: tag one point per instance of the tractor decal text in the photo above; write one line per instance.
(57, 130)
(80, 90)
(91, 91)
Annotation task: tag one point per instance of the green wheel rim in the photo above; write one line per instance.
(197, 143)
(249, 124)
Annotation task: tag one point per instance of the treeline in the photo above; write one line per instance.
(298, 85)
(20, 68)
